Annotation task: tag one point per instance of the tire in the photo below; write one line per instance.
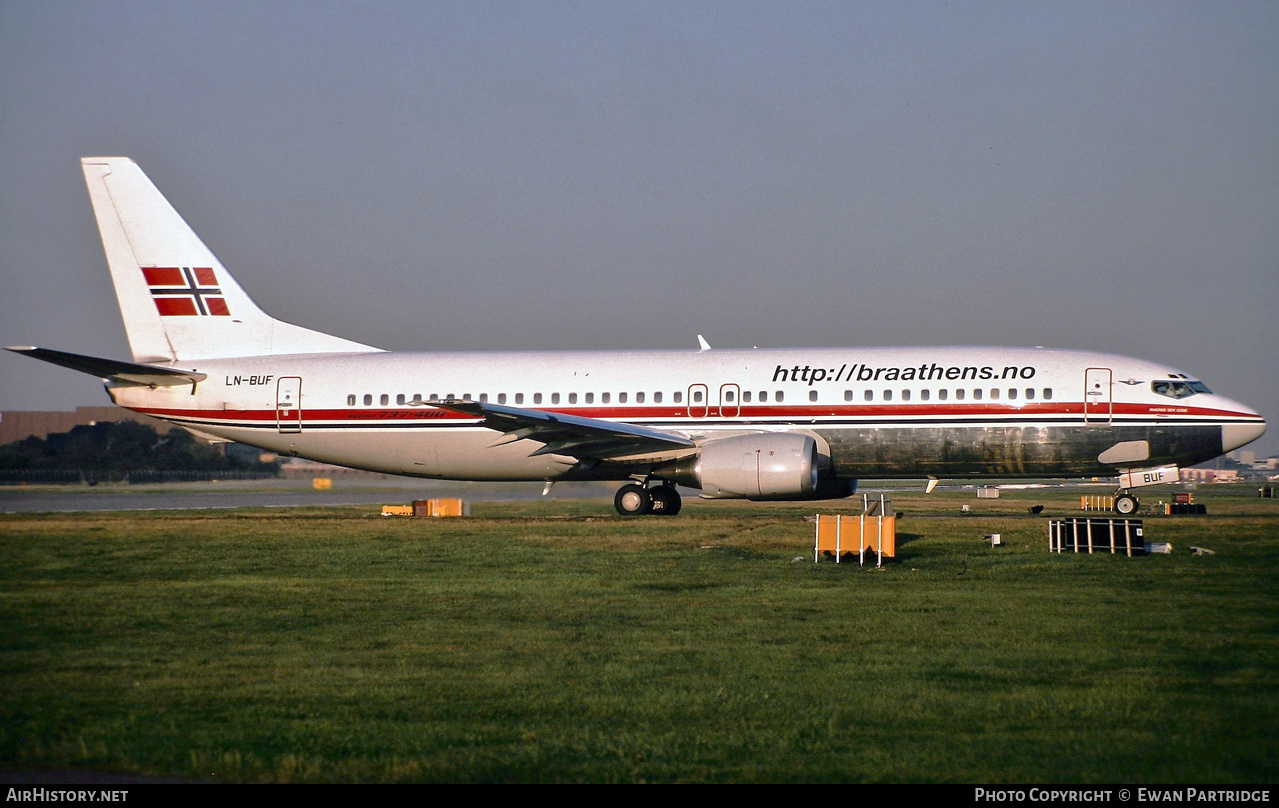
(1125, 504)
(632, 499)
(666, 500)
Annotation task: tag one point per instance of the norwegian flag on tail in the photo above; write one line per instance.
(186, 291)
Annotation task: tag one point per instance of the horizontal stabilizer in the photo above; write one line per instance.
(129, 372)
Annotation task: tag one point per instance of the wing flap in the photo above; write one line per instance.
(571, 435)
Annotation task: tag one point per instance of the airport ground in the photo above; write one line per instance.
(352, 489)
(553, 641)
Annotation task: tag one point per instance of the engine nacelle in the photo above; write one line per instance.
(763, 466)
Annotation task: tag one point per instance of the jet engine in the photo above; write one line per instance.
(764, 466)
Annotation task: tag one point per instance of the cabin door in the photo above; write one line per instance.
(1097, 405)
(288, 404)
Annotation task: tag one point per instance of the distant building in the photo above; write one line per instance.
(1248, 459)
(1199, 475)
(16, 425)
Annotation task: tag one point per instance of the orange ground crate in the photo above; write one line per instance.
(444, 506)
(841, 535)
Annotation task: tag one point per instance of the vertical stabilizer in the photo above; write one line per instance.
(178, 301)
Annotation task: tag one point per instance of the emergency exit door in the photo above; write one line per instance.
(730, 400)
(699, 401)
(288, 404)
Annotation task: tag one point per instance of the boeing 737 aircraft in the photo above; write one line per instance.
(755, 424)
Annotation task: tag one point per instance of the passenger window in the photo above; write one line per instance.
(519, 398)
(869, 395)
(1048, 393)
(350, 400)
(923, 395)
(501, 398)
(604, 397)
(763, 396)
(484, 397)
(368, 400)
(1030, 393)
(848, 395)
(621, 398)
(399, 399)
(905, 395)
(590, 398)
(657, 398)
(639, 398)
(994, 394)
(697, 396)
(959, 395)
(779, 396)
(677, 396)
(537, 398)
(572, 398)
(1012, 393)
(385, 399)
(555, 398)
(812, 395)
(888, 395)
(977, 395)
(746, 396)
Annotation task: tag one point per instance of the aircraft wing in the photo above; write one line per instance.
(570, 435)
(131, 372)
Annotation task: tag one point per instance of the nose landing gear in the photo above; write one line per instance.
(1126, 504)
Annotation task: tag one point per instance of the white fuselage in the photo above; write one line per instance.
(874, 412)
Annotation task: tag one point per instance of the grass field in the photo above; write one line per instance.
(558, 642)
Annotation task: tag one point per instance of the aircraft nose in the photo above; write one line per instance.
(1235, 435)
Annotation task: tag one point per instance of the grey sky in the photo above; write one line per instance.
(549, 175)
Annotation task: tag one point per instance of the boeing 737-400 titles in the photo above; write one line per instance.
(753, 424)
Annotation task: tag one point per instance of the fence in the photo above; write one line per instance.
(1096, 535)
(136, 476)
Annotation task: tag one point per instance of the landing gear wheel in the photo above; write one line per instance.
(632, 499)
(1125, 504)
(666, 500)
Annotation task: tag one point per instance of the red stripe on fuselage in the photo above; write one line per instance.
(1040, 411)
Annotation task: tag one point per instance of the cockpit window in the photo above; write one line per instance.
(1179, 389)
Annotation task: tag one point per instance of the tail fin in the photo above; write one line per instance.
(179, 303)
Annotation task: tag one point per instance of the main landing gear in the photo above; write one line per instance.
(636, 499)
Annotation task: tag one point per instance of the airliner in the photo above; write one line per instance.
(758, 424)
